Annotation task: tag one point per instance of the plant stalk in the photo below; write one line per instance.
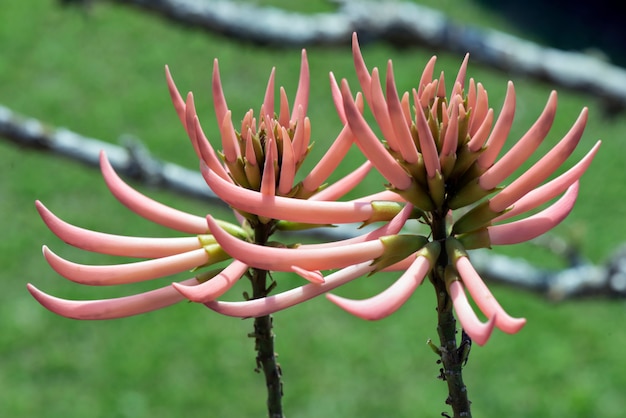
(264, 336)
(453, 356)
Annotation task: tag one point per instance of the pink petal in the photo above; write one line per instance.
(115, 244)
(392, 227)
(400, 127)
(329, 162)
(271, 304)
(177, 100)
(268, 182)
(110, 308)
(543, 168)
(190, 115)
(230, 144)
(362, 73)
(302, 94)
(460, 78)
(486, 302)
(427, 144)
(479, 332)
(215, 287)
(288, 165)
(283, 259)
(479, 111)
(479, 137)
(268, 101)
(523, 149)
(369, 144)
(148, 208)
(337, 99)
(553, 188)
(535, 225)
(126, 273)
(288, 209)
(427, 75)
(219, 101)
(283, 115)
(390, 300)
(380, 111)
(345, 185)
(207, 153)
(501, 129)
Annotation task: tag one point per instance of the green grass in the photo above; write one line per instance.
(102, 75)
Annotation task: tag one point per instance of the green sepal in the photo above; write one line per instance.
(455, 249)
(479, 216)
(464, 160)
(468, 194)
(298, 226)
(216, 254)
(478, 238)
(232, 229)
(238, 173)
(430, 251)
(450, 275)
(417, 170)
(437, 189)
(384, 210)
(397, 248)
(253, 174)
(417, 195)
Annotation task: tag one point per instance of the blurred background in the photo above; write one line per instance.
(98, 71)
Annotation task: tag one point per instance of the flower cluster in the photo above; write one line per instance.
(439, 155)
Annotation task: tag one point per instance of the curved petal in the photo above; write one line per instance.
(522, 149)
(392, 227)
(270, 304)
(551, 189)
(486, 302)
(535, 225)
(369, 144)
(330, 161)
(287, 209)
(115, 244)
(148, 208)
(543, 168)
(479, 332)
(344, 185)
(215, 287)
(302, 93)
(110, 308)
(177, 100)
(390, 300)
(126, 273)
(282, 259)
(400, 127)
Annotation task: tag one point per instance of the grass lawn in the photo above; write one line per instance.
(102, 75)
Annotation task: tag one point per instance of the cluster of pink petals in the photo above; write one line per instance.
(441, 158)
(248, 176)
(439, 154)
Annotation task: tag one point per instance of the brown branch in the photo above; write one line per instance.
(402, 24)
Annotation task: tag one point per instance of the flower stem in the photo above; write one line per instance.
(453, 357)
(264, 336)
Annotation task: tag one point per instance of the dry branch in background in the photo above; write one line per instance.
(580, 279)
(402, 24)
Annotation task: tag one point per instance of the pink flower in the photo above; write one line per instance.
(258, 164)
(442, 160)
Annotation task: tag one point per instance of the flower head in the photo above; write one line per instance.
(255, 170)
(440, 156)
